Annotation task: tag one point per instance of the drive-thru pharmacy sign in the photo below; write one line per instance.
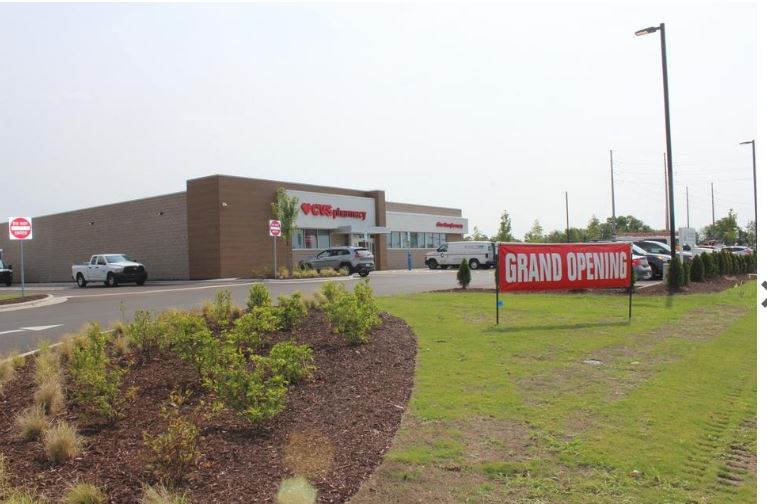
(20, 228)
(563, 266)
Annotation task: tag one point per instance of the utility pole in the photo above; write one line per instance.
(612, 191)
(687, 194)
(665, 185)
(713, 219)
(567, 217)
(753, 165)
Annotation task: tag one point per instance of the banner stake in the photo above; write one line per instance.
(497, 275)
(631, 294)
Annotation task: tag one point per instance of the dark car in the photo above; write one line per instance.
(354, 259)
(655, 258)
(6, 274)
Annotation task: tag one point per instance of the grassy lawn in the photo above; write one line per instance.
(9, 296)
(512, 413)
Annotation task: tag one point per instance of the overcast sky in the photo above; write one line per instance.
(481, 107)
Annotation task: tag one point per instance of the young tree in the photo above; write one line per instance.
(285, 209)
(464, 274)
(477, 235)
(724, 230)
(676, 273)
(535, 235)
(504, 229)
(696, 271)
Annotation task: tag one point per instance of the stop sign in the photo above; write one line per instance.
(20, 228)
(275, 228)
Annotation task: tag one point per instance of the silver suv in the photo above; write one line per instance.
(355, 259)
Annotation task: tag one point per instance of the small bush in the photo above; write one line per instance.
(293, 362)
(221, 311)
(283, 273)
(50, 397)
(330, 272)
(696, 269)
(296, 491)
(61, 442)
(5, 477)
(96, 385)
(290, 310)
(305, 272)
(464, 274)
(715, 264)
(331, 290)
(723, 265)
(259, 296)
(687, 269)
(47, 365)
(146, 333)
(249, 328)
(31, 423)
(353, 315)
(161, 495)
(84, 493)
(175, 449)
(675, 273)
(7, 371)
(18, 497)
(708, 265)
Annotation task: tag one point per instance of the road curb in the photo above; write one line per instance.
(307, 280)
(49, 300)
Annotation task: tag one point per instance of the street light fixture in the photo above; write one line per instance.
(672, 224)
(753, 161)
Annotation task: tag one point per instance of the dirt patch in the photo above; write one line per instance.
(336, 427)
(24, 299)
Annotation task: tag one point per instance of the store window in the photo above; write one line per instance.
(311, 239)
(415, 240)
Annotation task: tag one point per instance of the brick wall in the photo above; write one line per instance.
(151, 230)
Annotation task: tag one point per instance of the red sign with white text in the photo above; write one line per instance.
(531, 267)
(20, 228)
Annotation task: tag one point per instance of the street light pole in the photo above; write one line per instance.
(672, 224)
(753, 161)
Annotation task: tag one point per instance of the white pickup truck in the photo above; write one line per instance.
(112, 269)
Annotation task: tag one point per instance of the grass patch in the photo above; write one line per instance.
(512, 413)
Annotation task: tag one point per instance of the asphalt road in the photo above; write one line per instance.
(23, 329)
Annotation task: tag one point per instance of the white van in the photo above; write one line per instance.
(476, 253)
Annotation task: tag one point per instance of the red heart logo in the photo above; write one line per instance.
(306, 207)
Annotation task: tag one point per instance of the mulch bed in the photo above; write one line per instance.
(20, 299)
(716, 285)
(335, 428)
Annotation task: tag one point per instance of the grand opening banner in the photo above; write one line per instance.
(563, 266)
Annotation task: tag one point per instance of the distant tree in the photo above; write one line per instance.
(504, 229)
(464, 274)
(555, 237)
(725, 230)
(477, 235)
(749, 235)
(628, 224)
(285, 210)
(535, 235)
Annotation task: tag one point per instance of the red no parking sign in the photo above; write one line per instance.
(20, 228)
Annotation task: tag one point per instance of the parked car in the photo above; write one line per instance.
(738, 250)
(655, 260)
(355, 259)
(655, 247)
(642, 269)
(112, 269)
(476, 253)
(6, 273)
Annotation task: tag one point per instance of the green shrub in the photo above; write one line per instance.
(19, 497)
(687, 269)
(353, 314)
(84, 493)
(162, 495)
(31, 423)
(708, 265)
(221, 311)
(250, 327)
(47, 364)
(290, 310)
(696, 269)
(146, 333)
(464, 274)
(61, 443)
(722, 263)
(291, 361)
(675, 273)
(305, 272)
(331, 290)
(255, 394)
(96, 384)
(7, 371)
(259, 297)
(715, 264)
(175, 449)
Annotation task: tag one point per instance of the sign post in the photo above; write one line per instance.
(275, 230)
(20, 228)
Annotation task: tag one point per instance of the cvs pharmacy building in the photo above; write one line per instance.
(218, 228)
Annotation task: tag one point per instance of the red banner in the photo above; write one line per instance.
(565, 266)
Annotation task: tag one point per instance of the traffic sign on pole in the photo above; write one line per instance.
(20, 228)
(275, 228)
